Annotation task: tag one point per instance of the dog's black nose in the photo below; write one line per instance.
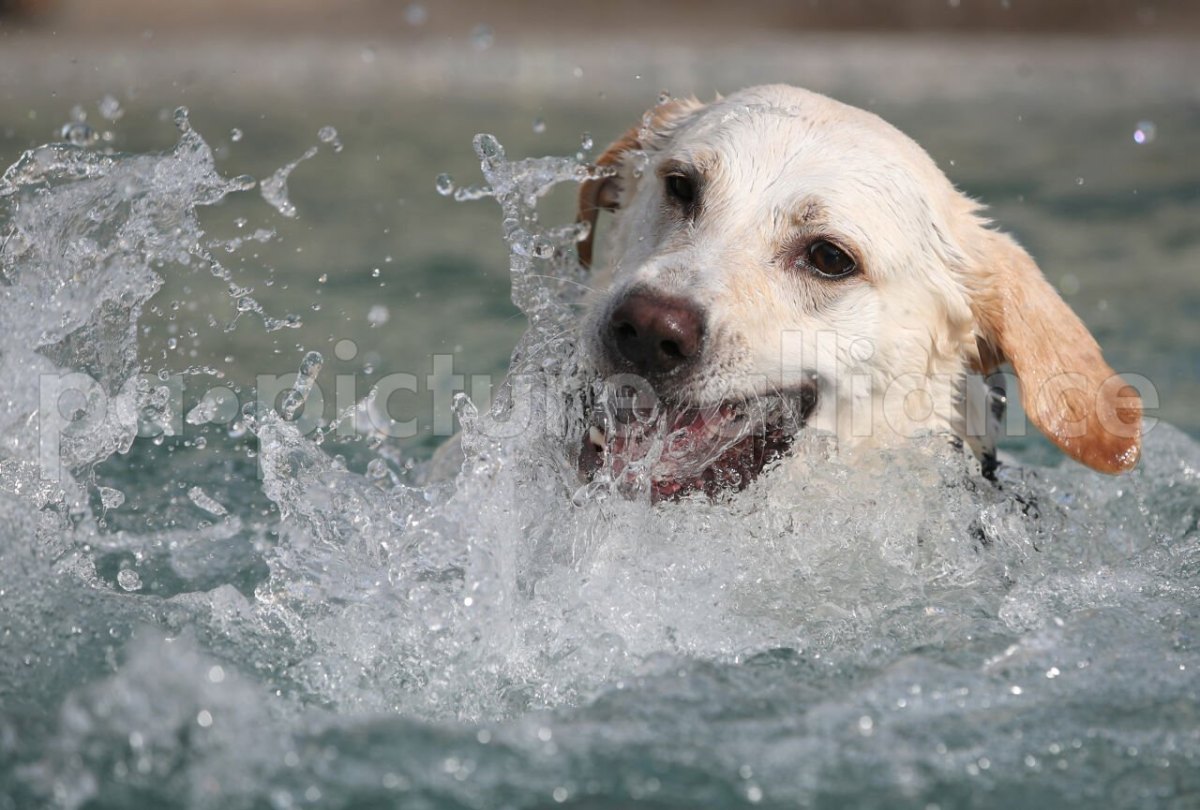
(656, 334)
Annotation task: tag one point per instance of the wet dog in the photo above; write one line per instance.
(779, 260)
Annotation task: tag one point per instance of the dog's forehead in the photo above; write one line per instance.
(780, 154)
(764, 135)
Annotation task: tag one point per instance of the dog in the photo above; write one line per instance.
(781, 261)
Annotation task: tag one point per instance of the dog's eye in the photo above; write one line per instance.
(682, 189)
(829, 260)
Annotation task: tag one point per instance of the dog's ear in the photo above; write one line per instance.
(605, 192)
(1067, 389)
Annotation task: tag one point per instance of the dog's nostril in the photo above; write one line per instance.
(655, 334)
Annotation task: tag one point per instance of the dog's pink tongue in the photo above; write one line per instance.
(692, 442)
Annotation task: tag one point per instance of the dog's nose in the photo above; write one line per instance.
(657, 334)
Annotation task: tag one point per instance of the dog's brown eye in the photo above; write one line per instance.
(682, 189)
(829, 260)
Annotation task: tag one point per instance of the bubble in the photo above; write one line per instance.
(1145, 133)
(586, 143)
(129, 580)
(539, 125)
(577, 72)
(235, 134)
(482, 37)
(377, 468)
(444, 184)
(345, 349)
(204, 718)
(1079, 181)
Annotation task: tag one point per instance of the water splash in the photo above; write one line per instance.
(275, 188)
(326, 636)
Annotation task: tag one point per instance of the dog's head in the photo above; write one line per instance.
(779, 259)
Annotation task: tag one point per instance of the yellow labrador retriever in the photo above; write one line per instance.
(781, 260)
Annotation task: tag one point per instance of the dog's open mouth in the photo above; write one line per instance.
(676, 449)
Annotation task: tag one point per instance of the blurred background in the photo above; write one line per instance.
(1076, 121)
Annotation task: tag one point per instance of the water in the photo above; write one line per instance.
(213, 602)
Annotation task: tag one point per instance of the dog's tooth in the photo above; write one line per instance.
(596, 437)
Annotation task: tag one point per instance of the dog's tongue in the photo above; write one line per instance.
(678, 451)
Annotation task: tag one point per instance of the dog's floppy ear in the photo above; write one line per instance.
(605, 192)
(1067, 389)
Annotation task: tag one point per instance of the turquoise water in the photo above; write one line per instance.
(234, 615)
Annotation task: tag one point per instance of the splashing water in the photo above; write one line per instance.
(889, 634)
(275, 188)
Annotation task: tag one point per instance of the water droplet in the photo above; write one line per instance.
(329, 135)
(78, 133)
(129, 580)
(378, 315)
(482, 37)
(321, 279)
(487, 147)
(586, 143)
(368, 54)
(377, 468)
(577, 72)
(444, 184)
(181, 119)
(310, 367)
(110, 108)
(415, 14)
(1145, 133)
(235, 134)
(206, 502)
(275, 188)
(110, 498)
(1079, 181)
(539, 125)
